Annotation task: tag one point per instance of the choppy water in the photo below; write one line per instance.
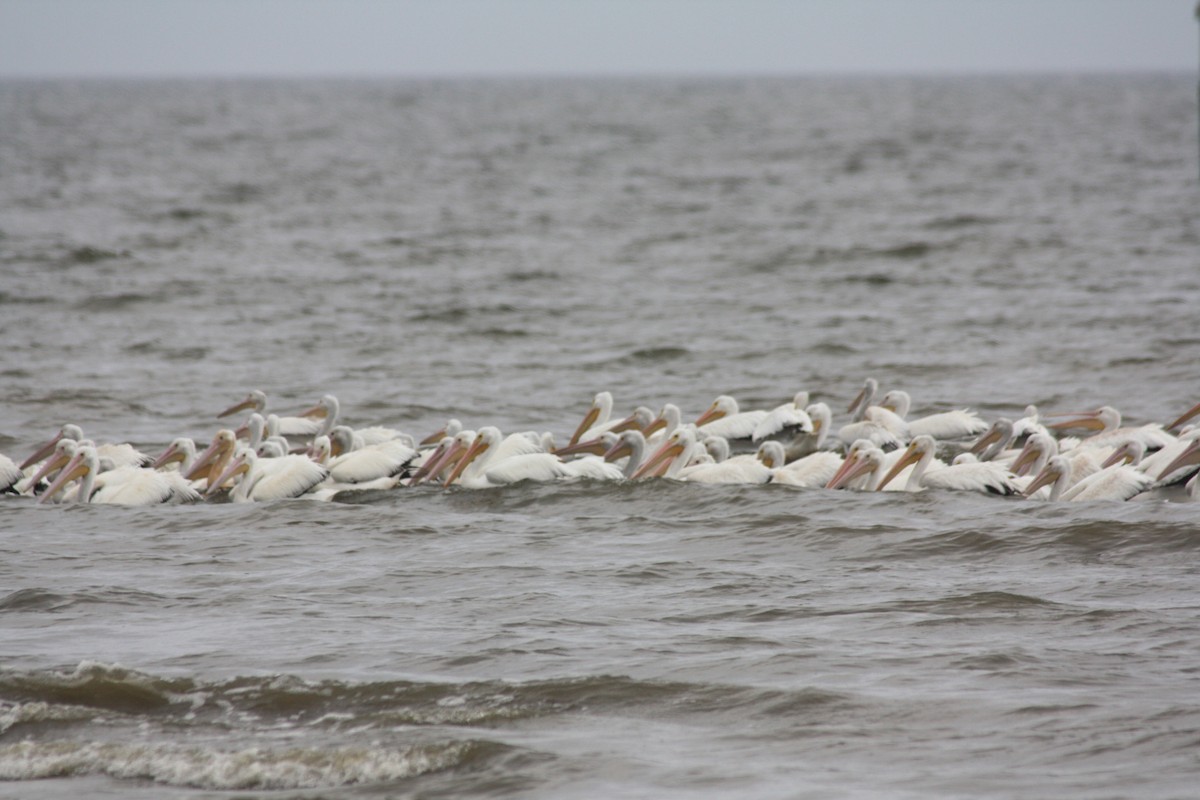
(498, 252)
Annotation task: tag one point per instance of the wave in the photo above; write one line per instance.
(205, 767)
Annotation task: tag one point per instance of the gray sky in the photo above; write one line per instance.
(519, 37)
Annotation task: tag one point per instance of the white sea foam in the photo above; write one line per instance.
(204, 768)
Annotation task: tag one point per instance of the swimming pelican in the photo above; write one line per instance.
(303, 426)
(811, 471)
(10, 473)
(1117, 482)
(746, 469)
(994, 441)
(102, 482)
(943, 426)
(631, 446)
(1185, 416)
(786, 421)
(363, 464)
(724, 419)
(671, 456)
(450, 429)
(1106, 421)
(975, 476)
(261, 479)
(489, 462)
(121, 455)
(863, 467)
(880, 427)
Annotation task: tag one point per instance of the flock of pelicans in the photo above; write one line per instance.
(1078, 456)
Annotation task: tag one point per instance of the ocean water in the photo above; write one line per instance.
(499, 251)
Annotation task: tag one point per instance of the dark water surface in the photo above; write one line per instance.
(499, 251)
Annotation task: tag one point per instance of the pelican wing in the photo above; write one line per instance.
(736, 426)
(751, 471)
(288, 476)
(1114, 483)
(527, 467)
(812, 471)
(368, 464)
(786, 420)
(594, 468)
(948, 425)
(10, 473)
(984, 476)
(131, 486)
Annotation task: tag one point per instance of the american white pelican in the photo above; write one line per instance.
(995, 441)
(596, 418)
(811, 471)
(10, 473)
(1106, 421)
(121, 455)
(1185, 416)
(364, 464)
(1117, 482)
(1188, 457)
(450, 429)
(212, 462)
(746, 469)
(660, 427)
(262, 479)
(437, 462)
(863, 467)
(180, 455)
(102, 482)
(724, 419)
(804, 444)
(303, 427)
(944, 426)
(987, 477)
(631, 446)
(1029, 424)
(1155, 464)
(491, 461)
(671, 456)
(786, 421)
(880, 427)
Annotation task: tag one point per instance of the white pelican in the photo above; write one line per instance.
(862, 469)
(450, 429)
(1185, 416)
(260, 479)
(180, 455)
(121, 455)
(1117, 482)
(432, 463)
(811, 471)
(660, 427)
(805, 443)
(10, 473)
(1028, 424)
(880, 427)
(750, 469)
(993, 443)
(1155, 464)
(101, 482)
(786, 421)
(212, 462)
(943, 426)
(364, 464)
(631, 446)
(492, 461)
(724, 419)
(970, 476)
(303, 426)
(671, 456)
(1190, 456)
(1106, 421)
